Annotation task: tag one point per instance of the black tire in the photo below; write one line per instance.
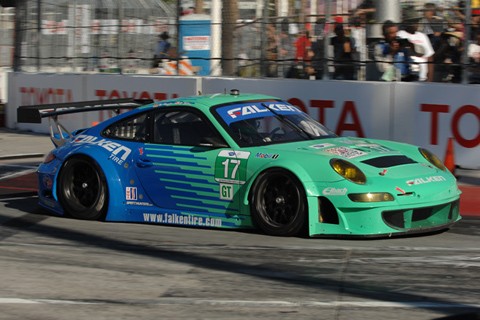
(82, 189)
(278, 203)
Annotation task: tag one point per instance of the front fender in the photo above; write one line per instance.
(296, 168)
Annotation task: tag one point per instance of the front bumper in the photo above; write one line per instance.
(423, 209)
(390, 222)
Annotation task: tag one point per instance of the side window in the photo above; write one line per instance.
(129, 129)
(181, 128)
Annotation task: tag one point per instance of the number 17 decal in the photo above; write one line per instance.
(230, 166)
(227, 167)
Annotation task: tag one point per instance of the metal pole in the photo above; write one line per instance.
(468, 26)
(263, 52)
(179, 9)
(216, 53)
(326, 38)
(39, 29)
(19, 29)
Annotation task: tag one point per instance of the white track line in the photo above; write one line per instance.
(250, 303)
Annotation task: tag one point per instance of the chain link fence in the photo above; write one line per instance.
(242, 38)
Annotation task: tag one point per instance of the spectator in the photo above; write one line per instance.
(344, 55)
(302, 45)
(303, 55)
(432, 25)
(359, 34)
(162, 50)
(448, 56)
(422, 48)
(475, 26)
(366, 11)
(272, 50)
(474, 57)
(392, 57)
(286, 48)
(317, 62)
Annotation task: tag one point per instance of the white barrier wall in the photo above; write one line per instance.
(32, 89)
(3, 87)
(429, 114)
(425, 114)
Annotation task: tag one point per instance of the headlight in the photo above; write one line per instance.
(433, 159)
(348, 171)
(371, 197)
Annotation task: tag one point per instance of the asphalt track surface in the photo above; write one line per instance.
(56, 268)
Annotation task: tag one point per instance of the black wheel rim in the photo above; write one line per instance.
(83, 189)
(279, 201)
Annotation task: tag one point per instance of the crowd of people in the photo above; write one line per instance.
(426, 45)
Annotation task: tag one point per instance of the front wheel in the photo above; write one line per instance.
(82, 189)
(278, 203)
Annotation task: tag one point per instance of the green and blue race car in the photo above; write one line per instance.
(239, 161)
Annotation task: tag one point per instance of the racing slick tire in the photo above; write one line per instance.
(278, 203)
(82, 189)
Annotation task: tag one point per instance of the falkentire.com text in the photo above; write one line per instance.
(173, 218)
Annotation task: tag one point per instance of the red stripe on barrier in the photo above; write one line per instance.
(469, 201)
(28, 182)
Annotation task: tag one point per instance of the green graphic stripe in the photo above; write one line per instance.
(200, 193)
(190, 175)
(192, 184)
(213, 210)
(211, 202)
(184, 167)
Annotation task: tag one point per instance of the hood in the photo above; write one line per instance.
(376, 158)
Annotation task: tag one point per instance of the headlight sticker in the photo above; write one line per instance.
(331, 191)
(345, 152)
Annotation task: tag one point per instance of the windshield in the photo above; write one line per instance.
(253, 124)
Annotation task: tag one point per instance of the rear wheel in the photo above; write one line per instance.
(82, 189)
(278, 203)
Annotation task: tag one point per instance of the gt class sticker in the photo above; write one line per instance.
(345, 152)
(226, 191)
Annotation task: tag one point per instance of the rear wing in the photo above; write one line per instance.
(35, 113)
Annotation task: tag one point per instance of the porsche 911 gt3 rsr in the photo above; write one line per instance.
(239, 161)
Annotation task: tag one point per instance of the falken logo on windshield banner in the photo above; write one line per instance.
(119, 152)
(234, 113)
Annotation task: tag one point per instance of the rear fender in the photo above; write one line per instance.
(112, 171)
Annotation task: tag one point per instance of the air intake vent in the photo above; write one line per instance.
(389, 161)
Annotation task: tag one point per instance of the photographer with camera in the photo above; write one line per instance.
(392, 55)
